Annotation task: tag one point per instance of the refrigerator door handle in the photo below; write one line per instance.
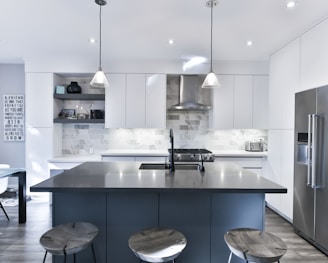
(309, 149)
(316, 173)
(314, 162)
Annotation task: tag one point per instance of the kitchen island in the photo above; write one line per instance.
(121, 199)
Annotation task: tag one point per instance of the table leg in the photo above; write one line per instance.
(22, 197)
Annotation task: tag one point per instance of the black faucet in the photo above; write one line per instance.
(202, 168)
(172, 167)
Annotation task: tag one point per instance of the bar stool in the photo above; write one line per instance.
(155, 245)
(254, 245)
(69, 239)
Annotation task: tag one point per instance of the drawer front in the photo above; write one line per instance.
(245, 162)
(117, 158)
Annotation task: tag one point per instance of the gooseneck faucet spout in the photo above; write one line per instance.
(172, 168)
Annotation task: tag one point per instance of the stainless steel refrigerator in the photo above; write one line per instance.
(310, 217)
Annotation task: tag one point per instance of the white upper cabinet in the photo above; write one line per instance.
(260, 102)
(39, 88)
(284, 82)
(155, 101)
(314, 57)
(240, 103)
(115, 101)
(243, 102)
(222, 113)
(136, 101)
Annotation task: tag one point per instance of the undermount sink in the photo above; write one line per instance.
(163, 166)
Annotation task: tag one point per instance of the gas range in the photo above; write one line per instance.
(192, 155)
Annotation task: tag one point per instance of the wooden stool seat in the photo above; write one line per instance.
(254, 245)
(157, 244)
(69, 239)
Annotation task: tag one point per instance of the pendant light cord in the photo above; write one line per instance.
(100, 37)
(212, 3)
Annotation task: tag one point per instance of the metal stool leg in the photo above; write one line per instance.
(4, 211)
(74, 257)
(230, 257)
(45, 256)
(93, 253)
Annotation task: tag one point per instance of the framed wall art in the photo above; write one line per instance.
(13, 118)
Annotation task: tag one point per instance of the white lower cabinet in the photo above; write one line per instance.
(152, 159)
(117, 158)
(279, 169)
(59, 167)
(254, 164)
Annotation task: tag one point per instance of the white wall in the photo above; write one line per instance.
(12, 81)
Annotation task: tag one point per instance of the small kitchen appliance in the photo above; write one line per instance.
(74, 88)
(97, 114)
(254, 146)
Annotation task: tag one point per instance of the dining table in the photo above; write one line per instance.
(21, 174)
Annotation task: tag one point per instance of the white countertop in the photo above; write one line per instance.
(147, 153)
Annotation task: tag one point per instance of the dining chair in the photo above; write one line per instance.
(4, 186)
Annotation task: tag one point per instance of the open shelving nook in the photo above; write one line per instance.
(90, 98)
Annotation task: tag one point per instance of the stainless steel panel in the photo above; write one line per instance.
(321, 216)
(303, 217)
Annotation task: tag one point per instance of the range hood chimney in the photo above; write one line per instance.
(189, 94)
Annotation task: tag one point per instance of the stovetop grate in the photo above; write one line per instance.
(191, 151)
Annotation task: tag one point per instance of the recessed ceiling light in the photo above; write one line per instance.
(249, 43)
(171, 42)
(92, 40)
(291, 3)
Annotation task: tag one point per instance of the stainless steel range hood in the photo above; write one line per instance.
(189, 95)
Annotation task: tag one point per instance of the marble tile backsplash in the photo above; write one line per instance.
(88, 139)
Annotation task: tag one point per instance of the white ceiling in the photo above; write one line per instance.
(140, 29)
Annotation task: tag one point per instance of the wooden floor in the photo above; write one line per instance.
(20, 242)
(299, 250)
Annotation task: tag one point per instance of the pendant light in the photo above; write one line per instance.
(99, 80)
(211, 81)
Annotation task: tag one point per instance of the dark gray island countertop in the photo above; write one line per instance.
(118, 176)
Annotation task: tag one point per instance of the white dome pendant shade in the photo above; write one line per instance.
(100, 80)
(211, 80)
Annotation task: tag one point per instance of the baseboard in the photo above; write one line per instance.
(288, 219)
